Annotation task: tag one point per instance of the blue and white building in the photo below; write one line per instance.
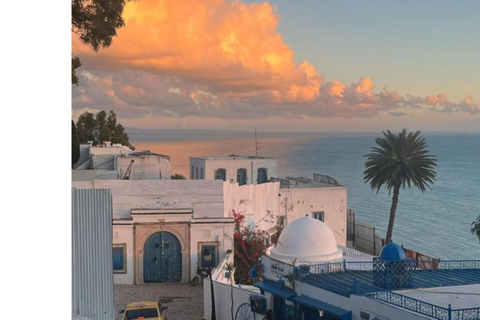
(307, 276)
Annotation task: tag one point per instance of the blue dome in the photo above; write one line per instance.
(392, 251)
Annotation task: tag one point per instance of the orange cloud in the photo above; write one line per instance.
(229, 45)
(221, 58)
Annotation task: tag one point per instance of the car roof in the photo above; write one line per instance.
(142, 304)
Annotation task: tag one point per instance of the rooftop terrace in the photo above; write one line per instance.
(447, 289)
(318, 181)
(233, 157)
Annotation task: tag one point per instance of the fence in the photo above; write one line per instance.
(392, 298)
(325, 179)
(363, 235)
(365, 239)
(284, 183)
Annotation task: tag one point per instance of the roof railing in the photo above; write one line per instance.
(323, 178)
(389, 297)
(284, 183)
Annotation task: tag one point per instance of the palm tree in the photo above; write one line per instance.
(399, 160)
(476, 228)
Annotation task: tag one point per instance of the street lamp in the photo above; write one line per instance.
(207, 256)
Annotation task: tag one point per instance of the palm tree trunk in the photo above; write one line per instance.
(393, 209)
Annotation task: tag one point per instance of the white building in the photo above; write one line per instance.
(291, 198)
(112, 162)
(160, 226)
(329, 282)
(242, 169)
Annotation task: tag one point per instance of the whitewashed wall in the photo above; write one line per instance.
(223, 294)
(333, 201)
(254, 201)
(205, 232)
(90, 175)
(144, 168)
(157, 194)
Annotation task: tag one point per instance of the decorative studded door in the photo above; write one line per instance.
(162, 259)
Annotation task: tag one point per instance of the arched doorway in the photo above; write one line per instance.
(242, 176)
(162, 258)
(220, 174)
(261, 175)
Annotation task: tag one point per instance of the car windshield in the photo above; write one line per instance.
(141, 313)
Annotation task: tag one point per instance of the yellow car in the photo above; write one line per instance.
(144, 310)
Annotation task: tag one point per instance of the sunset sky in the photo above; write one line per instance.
(286, 65)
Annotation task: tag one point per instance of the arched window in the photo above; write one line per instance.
(221, 174)
(192, 173)
(242, 176)
(196, 172)
(201, 173)
(261, 175)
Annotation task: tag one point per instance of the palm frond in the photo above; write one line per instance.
(400, 159)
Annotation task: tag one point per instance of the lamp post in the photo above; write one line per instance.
(208, 257)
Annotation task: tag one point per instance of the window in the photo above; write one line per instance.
(119, 258)
(242, 177)
(319, 215)
(201, 173)
(192, 172)
(196, 172)
(220, 174)
(262, 175)
(141, 314)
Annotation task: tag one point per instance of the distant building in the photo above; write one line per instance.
(112, 162)
(241, 169)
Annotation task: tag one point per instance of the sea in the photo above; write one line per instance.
(436, 223)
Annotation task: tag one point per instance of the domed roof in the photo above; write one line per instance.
(392, 251)
(307, 240)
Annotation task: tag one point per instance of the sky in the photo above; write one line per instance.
(288, 66)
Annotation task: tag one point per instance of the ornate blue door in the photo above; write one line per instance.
(162, 258)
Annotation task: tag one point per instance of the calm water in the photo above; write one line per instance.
(436, 222)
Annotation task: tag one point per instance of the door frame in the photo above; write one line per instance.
(142, 231)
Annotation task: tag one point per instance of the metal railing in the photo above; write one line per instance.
(449, 264)
(315, 278)
(323, 178)
(368, 265)
(402, 301)
(284, 183)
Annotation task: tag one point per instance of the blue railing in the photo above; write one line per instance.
(402, 301)
(449, 264)
(393, 298)
(368, 265)
(465, 314)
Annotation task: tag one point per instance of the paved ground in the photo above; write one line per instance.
(184, 302)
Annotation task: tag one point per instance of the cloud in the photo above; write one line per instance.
(227, 46)
(397, 114)
(222, 59)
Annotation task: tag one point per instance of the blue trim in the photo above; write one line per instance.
(327, 308)
(271, 287)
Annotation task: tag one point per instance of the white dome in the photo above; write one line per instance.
(307, 240)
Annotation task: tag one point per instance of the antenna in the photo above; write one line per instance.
(257, 144)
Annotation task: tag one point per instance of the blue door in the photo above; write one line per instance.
(162, 259)
(278, 308)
